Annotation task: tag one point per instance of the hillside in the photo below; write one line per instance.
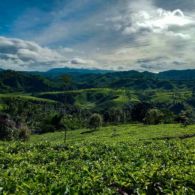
(12, 81)
(94, 99)
(166, 75)
(57, 72)
(102, 94)
(139, 80)
(177, 75)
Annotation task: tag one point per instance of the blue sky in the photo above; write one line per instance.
(144, 35)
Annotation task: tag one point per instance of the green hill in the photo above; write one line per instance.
(95, 99)
(178, 75)
(12, 81)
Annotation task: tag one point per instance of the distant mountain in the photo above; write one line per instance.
(84, 73)
(12, 81)
(129, 79)
(56, 72)
(138, 80)
(178, 75)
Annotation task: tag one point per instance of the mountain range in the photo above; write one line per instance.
(15, 81)
(171, 74)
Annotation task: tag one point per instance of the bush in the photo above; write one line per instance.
(184, 118)
(24, 133)
(52, 123)
(139, 111)
(95, 121)
(153, 117)
(72, 123)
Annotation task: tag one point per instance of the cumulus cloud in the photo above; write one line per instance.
(26, 55)
(154, 38)
(160, 63)
(20, 53)
(143, 16)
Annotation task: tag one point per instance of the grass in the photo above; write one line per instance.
(112, 134)
(121, 159)
(122, 96)
(27, 97)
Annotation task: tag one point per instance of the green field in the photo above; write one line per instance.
(103, 98)
(24, 97)
(99, 99)
(127, 159)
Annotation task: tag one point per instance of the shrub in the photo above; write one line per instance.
(153, 117)
(72, 122)
(139, 111)
(24, 133)
(52, 123)
(95, 121)
(183, 118)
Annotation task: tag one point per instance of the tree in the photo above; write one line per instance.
(52, 123)
(8, 129)
(153, 117)
(184, 118)
(95, 121)
(67, 81)
(139, 111)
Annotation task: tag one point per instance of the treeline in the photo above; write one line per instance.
(21, 118)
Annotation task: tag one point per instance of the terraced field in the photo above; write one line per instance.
(27, 97)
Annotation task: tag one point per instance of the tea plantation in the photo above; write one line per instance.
(127, 159)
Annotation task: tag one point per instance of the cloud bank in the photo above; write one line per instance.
(160, 39)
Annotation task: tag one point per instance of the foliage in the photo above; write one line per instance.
(95, 121)
(52, 123)
(139, 111)
(153, 117)
(127, 164)
(12, 81)
(73, 122)
(183, 118)
(24, 133)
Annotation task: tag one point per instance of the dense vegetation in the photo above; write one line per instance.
(63, 79)
(130, 159)
(11, 81)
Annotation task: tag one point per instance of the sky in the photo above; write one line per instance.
(143, 35)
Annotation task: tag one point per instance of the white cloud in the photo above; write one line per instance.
(25, 55)
(155, 20)
(162, 36)
(78, 61)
